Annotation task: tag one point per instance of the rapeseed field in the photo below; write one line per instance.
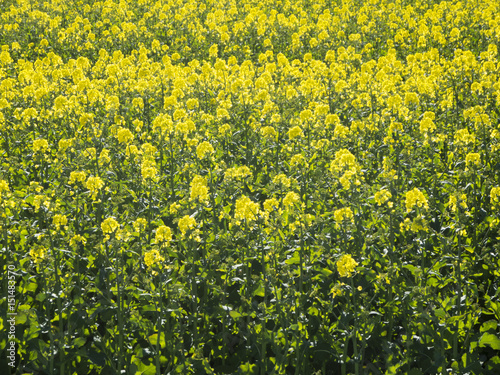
(250, 187)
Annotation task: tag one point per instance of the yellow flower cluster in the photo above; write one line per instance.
(186, 223)
(291, 199)
(427, 123)
(203, 149)
(109, 225)
(124, 135)
(77, 177)
(495, 195)
(457, 200)
(148, 170)
(153, 259)
(59, 220)
(295, 132)
(472, 159)
(343, 215)
(38, 253)
(140, 224)
(94, 184)
(414, 198)
(163, 234)
(346, 265)
(199, 189)
(346, 168)
(237, 173)
(245, 209)
(4, 188)
(282, 179)
(40, 145)
(382, 197)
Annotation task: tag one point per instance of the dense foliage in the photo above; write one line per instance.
(262, 187)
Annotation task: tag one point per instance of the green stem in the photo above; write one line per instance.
(194, 291)
(459, 298)
(120, 314)
(158, 329)
(59, 303)
(355, 332)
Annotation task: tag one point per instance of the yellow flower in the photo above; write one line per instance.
(40, 145)
(153, 258)
(246, 209)
(427, 124)
(411, 98)
(124, 135)
(290, 199)
(295, 132)
(337, 289)
(343, 160)
(298, 159)
(112, 103)
(271, 204)
(343, 214)
(268, 132)
(463, 136)
(38, 253)
(199, 189)
(282, 179)
(38, 200)
(473, 158)
(4, 187)
(109, 225)
(346, 265)
(306, 115)
(347, 178)
(94, 184)
(59, 220)
(77, 177)
(414, 198)
(186, 223)
(382, 196)
(203, 149)
(495, 195)
(226, 128)
(237, 173)
(138, 103)
(148, 169)
(140, 224)
(174, 208)
(213, 50)
(340, 131)
(163, 234)
(60, 103)
(77, 238)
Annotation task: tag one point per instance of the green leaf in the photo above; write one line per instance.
(235, 314)
(259, 292)
(144, 369)
(153, 339)
(490, 325)
(326, 271)
(294, 259)
(440, 313)
(248, 368)
(79, 342)
(490, 340)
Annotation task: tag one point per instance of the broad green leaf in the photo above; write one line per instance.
(491, 340)
(235, 314)
(260, 291)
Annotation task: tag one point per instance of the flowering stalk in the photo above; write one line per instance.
(119, 303)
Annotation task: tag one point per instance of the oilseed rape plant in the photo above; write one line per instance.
(242, 187)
